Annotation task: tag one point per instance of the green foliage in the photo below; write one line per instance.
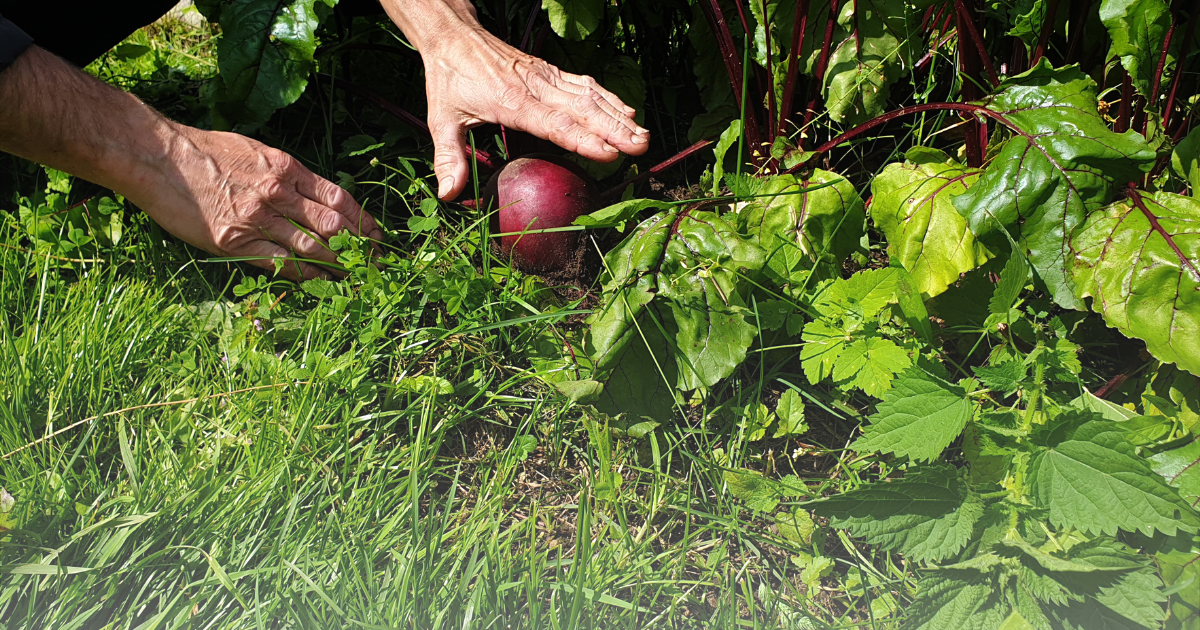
(918, 418)
(1138, 29)
(1139, 261)
(1062, 163)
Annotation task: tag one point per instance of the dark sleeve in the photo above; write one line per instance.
(13, 42)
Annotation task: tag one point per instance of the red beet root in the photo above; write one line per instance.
(540, 194)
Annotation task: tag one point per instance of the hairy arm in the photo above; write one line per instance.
(221, 192)
(471, 77)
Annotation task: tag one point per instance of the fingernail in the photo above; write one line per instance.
(639, 139)
(642, 131)
(630, 111)
(445, 185)
(610, 149)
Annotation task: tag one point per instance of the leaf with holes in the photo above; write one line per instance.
(914, 209)
(265, 55)
(1062, 164)
(1139, 261)
(802, 230)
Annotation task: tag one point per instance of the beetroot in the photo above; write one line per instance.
(539, 194)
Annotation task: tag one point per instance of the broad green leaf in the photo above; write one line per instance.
(870, 364)
(574, 19)
(641, 382)
(951, 602)
(823, 344)
(929, 515)
(688, 264)
(863, 296)
(618, 214)
(716, 93)
(913, 208)
(1090, 479)
(800, 231)
(1062, 164)
(1185, 160)
(1140, 264)
(875, 44)
(789, 414)
(918, 418)
(265, 55)
(1137, 29)
(1179, 562)
(1181, 468)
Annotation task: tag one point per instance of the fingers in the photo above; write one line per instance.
(612, 99)
(265, 254)
(596, 115)
(329, 195)
(449, 157)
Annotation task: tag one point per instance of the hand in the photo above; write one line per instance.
(471, 78)
(233, 196)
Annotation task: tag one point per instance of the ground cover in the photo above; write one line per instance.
(886, 390)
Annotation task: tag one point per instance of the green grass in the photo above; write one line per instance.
(262, 457)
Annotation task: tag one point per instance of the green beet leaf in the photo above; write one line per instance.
(574, 19)
(1090, 479)
(1181, 468)
(680, 273)
(918, 418)
(875, 44)
(1139, 261)
(264, 56)
(914, 209)
(929, 515)
(1062, 164)
(800, 231)
(1137, 29)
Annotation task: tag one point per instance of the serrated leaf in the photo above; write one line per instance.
(574, 19)
(1137, 29)
(1012, 282)
(913, 208)
(1092, 481)
(1062, 164)
(950, 603)
(797, 526)
(870, 364)
(929, 515)
(265, 55)
(1139, 261)
(801, 231)
(1005, 378)
(790, 415)
(756, 491)
(918, 418)
(823, 344)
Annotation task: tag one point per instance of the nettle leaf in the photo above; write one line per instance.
(1062, 164)
(956, 602)
(1137, 29)
(918, 418)
(800, 231)
(870, 364)
(265, 55)
(1090, 479)
(875, 46)
(790, 414)
(574, 19)
(680, 273)
(1139, 261)
(928, 515)
(913, 208)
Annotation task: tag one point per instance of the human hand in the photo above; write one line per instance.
(232, 196)
(471, 78)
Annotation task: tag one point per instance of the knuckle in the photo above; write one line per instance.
(275, 189)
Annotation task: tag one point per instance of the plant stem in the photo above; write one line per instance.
(1044, 37)
(978, 110)
(533, 16)
(1076, 28)
(616, 191)
(969, 61)
(1125, 112)
(771, 119)
(1181, 58)
(818, 84)
(733, 65)
(967, 19)
(799, 25)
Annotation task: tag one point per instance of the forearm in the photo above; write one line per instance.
(56, 115)
(422, 21)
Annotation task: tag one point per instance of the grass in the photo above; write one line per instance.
(251, 455)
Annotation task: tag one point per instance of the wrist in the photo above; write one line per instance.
(427, 22)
